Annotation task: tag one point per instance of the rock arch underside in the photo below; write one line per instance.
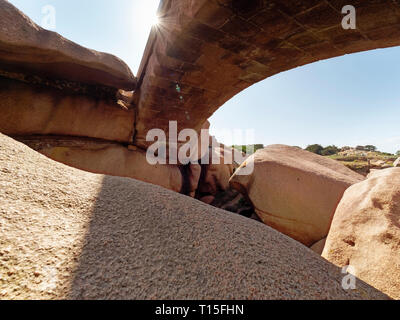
(215, 49)
(86, 109)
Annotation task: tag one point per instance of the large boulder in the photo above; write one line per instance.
(397, 163)
(27, 48)
(365, 232)
(70, 234)
(295, 191)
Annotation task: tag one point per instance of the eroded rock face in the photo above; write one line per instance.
(69, 234)
(319, 246)
(194, 173)
(27, 48)
(213, 186)
(397, 163)
(31, 110)
(52, 86)
(233, 201)
(295, 191)
(215, 177)
(107, 158)
(365, 232)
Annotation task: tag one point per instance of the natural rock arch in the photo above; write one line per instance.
(201, 54)
(204, 52)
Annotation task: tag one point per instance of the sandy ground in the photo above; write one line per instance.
(68, 234)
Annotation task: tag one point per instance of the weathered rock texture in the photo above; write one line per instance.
(27, 48)
(319, 246)
(52, 86)
(215, 175)
(33, 110)
(365, 231)
(233, 201)
(53, 89)
(107, 158)
(295, 191)
(194, 173)
(66, 233)
(206, 51)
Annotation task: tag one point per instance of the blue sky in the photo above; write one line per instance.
(349, 100)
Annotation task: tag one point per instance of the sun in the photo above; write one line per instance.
(155, 20)
(145, 13)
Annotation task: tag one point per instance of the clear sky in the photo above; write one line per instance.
(350, 100)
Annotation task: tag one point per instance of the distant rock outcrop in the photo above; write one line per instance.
(70, 234)
(295, 191)
(365, 232)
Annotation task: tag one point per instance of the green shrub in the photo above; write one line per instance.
(250, 149)
(315, 148)
(330, 150)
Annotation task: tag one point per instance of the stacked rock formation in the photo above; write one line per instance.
(73, 234)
